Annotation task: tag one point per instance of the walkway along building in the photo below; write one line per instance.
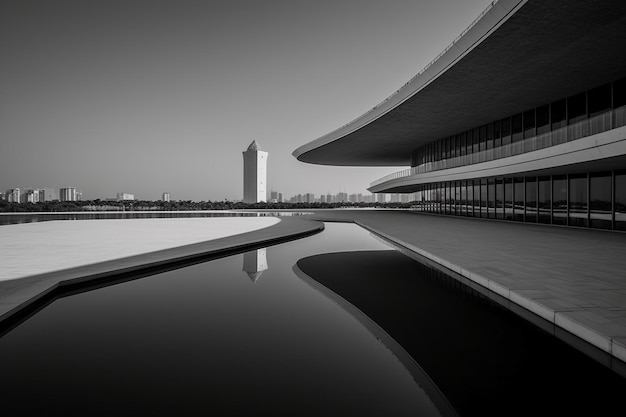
(522, 117)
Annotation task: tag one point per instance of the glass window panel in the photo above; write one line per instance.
(600, 210)
(499, 198)
(531, 199)
(620, 201)
(508, 199)
(518, 199)
(497, 138)
(476, 208)
(578, 201)
(544, 200)
(559, 200)
(599, 100)
(462, 138)
(491, 204)
(542, 116)
(516, 127)
(619, 93)
(475, 140)
(483, 138)
(529, 123)
(558, 114)
(490, 136)
(506, 131)
(483, 197)
(459, 198)
(577, 108)
(469, 198)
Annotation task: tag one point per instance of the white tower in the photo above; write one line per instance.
(254, 174)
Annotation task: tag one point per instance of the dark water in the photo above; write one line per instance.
(302, 328)
(19, 218)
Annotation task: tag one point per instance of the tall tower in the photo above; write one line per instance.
(254, 174)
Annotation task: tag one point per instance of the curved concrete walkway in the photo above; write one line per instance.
(572, 279)
(193, 240)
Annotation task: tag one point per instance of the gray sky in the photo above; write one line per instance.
(151, 96)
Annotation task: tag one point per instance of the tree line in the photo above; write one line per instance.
(146, 205)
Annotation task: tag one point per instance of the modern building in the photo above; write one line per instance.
(254, 174)
(31, 196)
(68, 194)
(522, 117)
(12, 195)
(166, 197)
(125, 197)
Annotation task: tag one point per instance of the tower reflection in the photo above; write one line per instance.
(254, 263)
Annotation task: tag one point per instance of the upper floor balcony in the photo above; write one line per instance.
(513, 153)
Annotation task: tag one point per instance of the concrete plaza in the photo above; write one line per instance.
(573, 279)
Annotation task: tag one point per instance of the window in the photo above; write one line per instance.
(505, 125)
(600, 210)
(576, 108)
(508, 199)
(518, 199)
(529, 123)
(483, 138)
(469, 198)
(516, 128)
(542, 116)
(491, 204)
(476, 198)
(559, 200)
(499, 198)
(483, 198)
(544, 200)
(620, 200)
(531, 199)
(558, 114)
(497, 138)
(599, 100)
(577, 208)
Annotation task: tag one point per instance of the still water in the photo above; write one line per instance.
(19, 218)
(333, 324)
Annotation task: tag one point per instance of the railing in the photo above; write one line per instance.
(591, 126)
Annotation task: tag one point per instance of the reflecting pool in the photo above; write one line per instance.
(337, 323)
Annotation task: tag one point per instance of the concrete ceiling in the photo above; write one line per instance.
(543, 51)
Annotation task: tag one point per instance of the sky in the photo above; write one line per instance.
(152, 96)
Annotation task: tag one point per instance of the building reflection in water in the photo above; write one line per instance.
(254, 263)
(471, 355)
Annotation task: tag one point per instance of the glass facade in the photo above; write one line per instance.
(596, 200)
(587, 113)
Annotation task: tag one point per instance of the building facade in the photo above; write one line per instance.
(254, 174)
(509, 122)
(166, 197)
(68, 194)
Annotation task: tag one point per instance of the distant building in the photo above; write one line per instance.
(166, 197)
(31, 196)
(42, 195)
(68, 194)
(13, 195)
(125, 197)
(254, 174)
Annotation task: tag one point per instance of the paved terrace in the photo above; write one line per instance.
(39, 258)
(575, 279)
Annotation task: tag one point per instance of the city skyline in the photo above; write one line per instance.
(153, 96)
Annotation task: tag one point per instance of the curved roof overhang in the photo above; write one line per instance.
(520, 54)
